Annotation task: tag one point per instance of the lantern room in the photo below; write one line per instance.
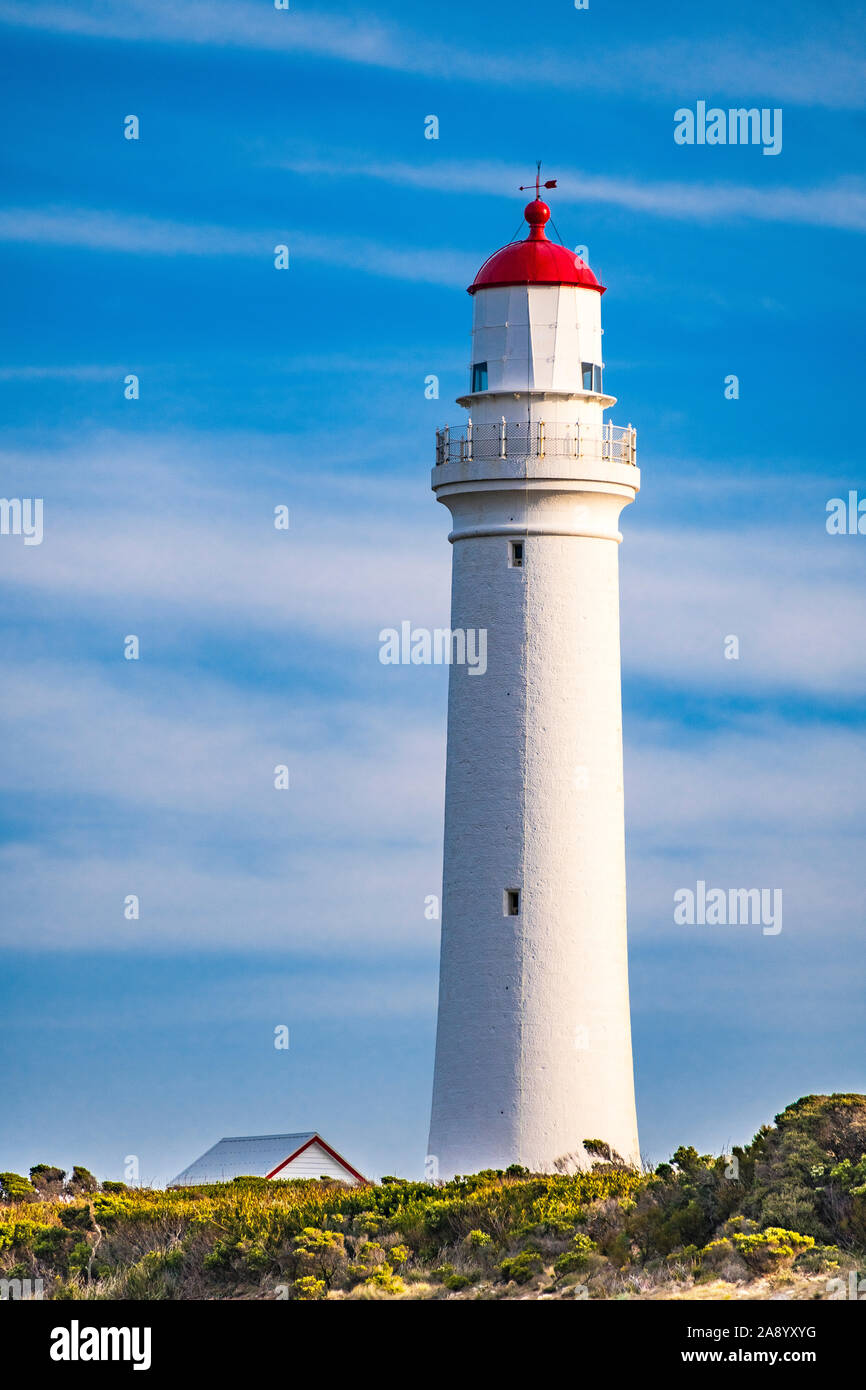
(536, 333)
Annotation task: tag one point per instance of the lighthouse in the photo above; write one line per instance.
(533, 1047)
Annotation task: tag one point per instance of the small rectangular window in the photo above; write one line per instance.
(515, 554)
(512, 902)
(479, 376)
(586, 368)
(596, 378)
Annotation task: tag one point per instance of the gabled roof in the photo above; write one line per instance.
(255, 1156)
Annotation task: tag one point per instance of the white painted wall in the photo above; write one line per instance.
(533, 1049)
(534, 338)
(315, 1162)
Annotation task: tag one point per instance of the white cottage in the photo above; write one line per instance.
(268, 1156)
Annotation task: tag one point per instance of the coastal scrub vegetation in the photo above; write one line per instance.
(790, 1207)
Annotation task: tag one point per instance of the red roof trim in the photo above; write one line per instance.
(317, 1139)
(504, 284)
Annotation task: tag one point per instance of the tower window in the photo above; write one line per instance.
(515, 554)
(511, 904)
(479, 376)
(591, 376)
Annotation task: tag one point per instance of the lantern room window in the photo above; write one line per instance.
(591, 376)
(479, 376)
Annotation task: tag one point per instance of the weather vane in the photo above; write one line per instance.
(551, 183)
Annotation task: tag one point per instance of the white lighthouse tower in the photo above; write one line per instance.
(533, 1050)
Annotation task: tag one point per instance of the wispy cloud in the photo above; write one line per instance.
(824, 70)
(841, 204)
(710, 583)
(101, 552)
(685, 588)
(171, 797)
(104, 230)
(177, 760)
(70, 372)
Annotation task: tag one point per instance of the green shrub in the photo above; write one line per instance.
(51, 1244)
(154, 1277)
(771, 1250)
(383, 1277)
(79, 1255)
(577, 1258)
(321, 1254)
(307, 1288)
(76, 1218)
(82, 1180)
(47, 1180)
(521, 1268)
(820, 1258)
(368, 1223)
(14, 1188)
(479, 1240)
(369, 1258)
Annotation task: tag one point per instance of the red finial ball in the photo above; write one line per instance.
(536, 213)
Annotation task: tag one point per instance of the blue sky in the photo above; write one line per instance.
(306, 388)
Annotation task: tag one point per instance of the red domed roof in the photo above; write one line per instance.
(535, 261)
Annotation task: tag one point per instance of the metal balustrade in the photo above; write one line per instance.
(607, 443)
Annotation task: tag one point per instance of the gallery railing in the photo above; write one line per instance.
(606, 443)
